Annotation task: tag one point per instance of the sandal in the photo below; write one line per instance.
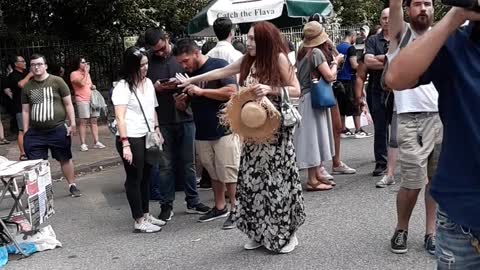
(4, 141)
(23, 157)
(319, 186)
(326, 181)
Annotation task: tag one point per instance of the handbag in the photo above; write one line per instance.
(321, 92)
(290, 114)
(153, 146)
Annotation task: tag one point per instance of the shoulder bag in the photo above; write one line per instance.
(290, 114)
(152, 141)
(321, 92)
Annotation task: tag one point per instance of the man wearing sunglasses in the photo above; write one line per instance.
(176, 125)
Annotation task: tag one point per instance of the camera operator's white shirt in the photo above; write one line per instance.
(423, 98)
(225, 50)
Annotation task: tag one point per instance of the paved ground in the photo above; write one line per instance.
(347, 228)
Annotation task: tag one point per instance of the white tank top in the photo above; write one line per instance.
(423, 98)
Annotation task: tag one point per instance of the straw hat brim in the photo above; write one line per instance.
(314, 42)
(232, 117)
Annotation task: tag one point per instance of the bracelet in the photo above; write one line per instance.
(123, 139)
(126, 145)
(334, 64)
(155, 127)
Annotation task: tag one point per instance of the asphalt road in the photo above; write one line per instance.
(347, 228)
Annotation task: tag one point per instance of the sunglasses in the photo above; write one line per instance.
(140, 52)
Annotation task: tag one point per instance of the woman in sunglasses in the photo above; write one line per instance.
(135, 101)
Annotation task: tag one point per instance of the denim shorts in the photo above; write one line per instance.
(455, 245)
(37, 142)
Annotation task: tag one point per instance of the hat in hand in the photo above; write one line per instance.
(256, 121)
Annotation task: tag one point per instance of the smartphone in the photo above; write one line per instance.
(162, 81)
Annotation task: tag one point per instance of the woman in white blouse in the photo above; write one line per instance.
(135, 87)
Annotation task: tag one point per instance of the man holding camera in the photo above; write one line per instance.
(419, 131)
(448, 56)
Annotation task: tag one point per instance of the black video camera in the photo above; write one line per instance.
(468, 4)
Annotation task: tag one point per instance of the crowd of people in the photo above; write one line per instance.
(421, 93)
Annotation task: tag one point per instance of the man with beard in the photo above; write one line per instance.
(419, 131)
(447, 55)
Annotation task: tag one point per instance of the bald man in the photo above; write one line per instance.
(375, 49)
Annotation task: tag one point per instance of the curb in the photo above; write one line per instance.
(88, 168)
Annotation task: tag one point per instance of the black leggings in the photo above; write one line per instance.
(137, 184)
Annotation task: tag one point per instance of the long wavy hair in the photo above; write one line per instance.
(269, 45)
(130, 71)
(326, 48)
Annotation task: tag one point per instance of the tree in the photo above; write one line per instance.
(355, 12)
(95, 19)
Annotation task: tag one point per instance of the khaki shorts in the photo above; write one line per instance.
(85, 111)
(418, 163)
(221, 158)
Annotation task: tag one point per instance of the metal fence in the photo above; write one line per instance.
(105, 58)
(295, 34)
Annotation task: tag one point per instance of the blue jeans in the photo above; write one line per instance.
(454, 248)
(178, 163)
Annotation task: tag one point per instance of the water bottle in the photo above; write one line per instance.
(469, 4)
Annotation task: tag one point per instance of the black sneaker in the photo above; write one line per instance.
(166, 213)
(200, 209)
(74, 191)
(429, 243)
(346, 133)
(204, 184)
(214, 214)
(399, 242)
(379, 170)
(228, 224)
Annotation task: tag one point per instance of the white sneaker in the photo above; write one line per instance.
(251, 245)
(343, 169)
(83, 148)
(98, 145)
(291, 245)
(146, 227)
(386, 181)
(149, 218)
(325, 174)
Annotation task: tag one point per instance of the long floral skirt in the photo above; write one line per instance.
(270, 205)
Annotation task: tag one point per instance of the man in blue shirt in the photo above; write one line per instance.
(448, 56)
(346, 76)
(218, 149)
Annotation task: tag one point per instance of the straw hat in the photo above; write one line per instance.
(256, 121)
(314, 34)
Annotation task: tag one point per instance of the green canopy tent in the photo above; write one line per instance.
(281, 12)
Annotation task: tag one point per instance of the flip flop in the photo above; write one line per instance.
(316, 187)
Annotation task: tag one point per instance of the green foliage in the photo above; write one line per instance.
(355, 12)
(95, 19)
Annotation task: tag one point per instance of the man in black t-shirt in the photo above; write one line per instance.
(375, 49)
(16, 81)
(217, 147)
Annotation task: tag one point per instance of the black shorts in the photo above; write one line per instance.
(38, 141)
(345, 95)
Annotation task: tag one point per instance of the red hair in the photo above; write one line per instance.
(269, 45)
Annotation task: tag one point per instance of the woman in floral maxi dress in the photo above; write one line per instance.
(270, 206)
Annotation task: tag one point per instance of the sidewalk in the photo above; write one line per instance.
(84, 161)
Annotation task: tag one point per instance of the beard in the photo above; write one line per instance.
(421, 22)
